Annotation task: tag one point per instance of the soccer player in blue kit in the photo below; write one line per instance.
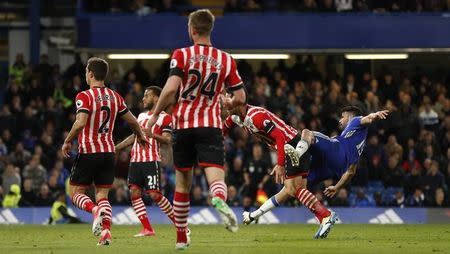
(336, 157)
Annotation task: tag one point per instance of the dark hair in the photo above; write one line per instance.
(202, 21)
(352, 109)
(155, 89)
(99, 68)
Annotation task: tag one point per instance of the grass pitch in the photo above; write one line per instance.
(254, 239)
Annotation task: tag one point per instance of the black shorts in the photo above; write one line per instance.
(304, 163)
(97, 168)
(145, 175)
(198, 146)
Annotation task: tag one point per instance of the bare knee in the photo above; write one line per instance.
(308, 136)
(73, 189)
(135, 192)
(101, 193)
(155, 196)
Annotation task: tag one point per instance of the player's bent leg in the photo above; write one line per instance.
(181, 206)
(270, 204)
(141, 211)
(79, 199)
(103, 216)
(218, 189)
(163, 204)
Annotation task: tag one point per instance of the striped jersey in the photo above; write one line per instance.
(260, 122)
(206, 72)
(103, 105)
(150, 152)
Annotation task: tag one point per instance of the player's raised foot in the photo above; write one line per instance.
(293, 155)
(97, 224)
(247, 219)
(183, 246)
(145, 232)
(227, 215)
(326, 225)
(105, 238)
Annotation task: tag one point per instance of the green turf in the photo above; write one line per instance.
(275, 239)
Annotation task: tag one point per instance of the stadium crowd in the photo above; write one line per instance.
(147, 7)
(406, 161)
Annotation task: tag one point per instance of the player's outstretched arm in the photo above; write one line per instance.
(126, 142)
(77, 126)
(134, 125)
(330, 191)
(374, 116)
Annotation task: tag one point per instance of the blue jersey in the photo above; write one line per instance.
(353, 140)
(331, 157)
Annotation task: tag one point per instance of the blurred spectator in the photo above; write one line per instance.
(440, 200)
(428, 117)
(344, 5)
(12, 197)
(10, 176)
(140, 73)
(17, 69)
(28, 194)
(376, 158)
(413, 180)
(341, 199)
(141, 8)
(417, 199)
(44, 197)
(434, 179)
(197, 197)
(399, 200)
(393, 148)
(362, 200)
(20, 156)
(233, 198)
(393, 175)
(34, 170)
(256, 172)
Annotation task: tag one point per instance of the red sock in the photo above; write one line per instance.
(219, 189)
(104, 203)
(310, 201)
(141, 212)
(83, 202)
(165, 206)
(181, 213)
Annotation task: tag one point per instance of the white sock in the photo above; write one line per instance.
(302, 147)
(270, 204)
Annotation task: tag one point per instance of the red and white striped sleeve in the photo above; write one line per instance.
(262, 121)
(166, 125)
(177, 64)
(233, 81)
(83, 103)
(122, 107)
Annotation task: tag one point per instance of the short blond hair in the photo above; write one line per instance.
(202, 21)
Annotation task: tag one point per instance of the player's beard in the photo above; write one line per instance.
(149, 106)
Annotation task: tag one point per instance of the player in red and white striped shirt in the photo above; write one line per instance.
(145, 166)
(276, 133)
(97, 110)
(200, 74)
